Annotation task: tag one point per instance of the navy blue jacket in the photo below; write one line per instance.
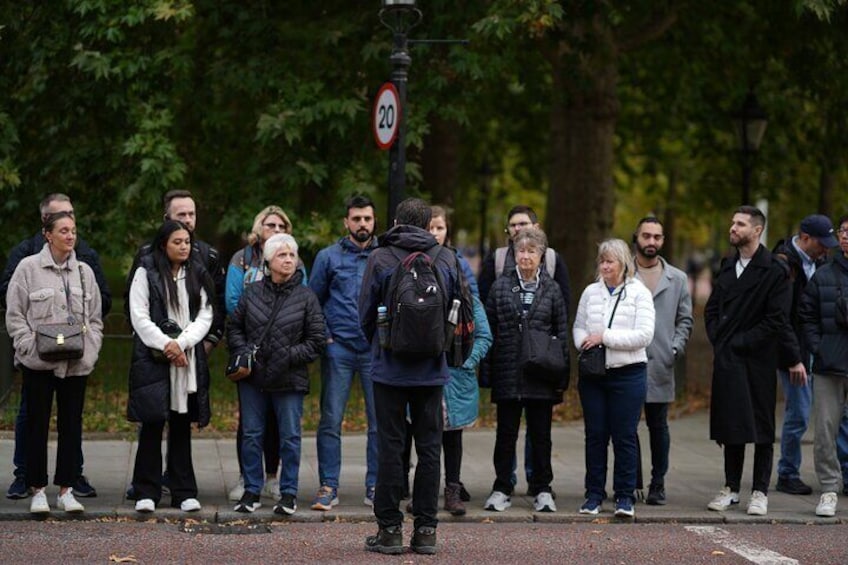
(386, 368)
(336, 280)
(84, 253)
(824, 338)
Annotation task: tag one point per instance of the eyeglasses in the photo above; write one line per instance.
(842, 231)
(517, 225)
(273, 226)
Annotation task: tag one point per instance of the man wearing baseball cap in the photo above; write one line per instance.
(803, 253)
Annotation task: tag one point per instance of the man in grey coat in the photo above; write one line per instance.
(673, 305)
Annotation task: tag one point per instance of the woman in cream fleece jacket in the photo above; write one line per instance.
(52, 287)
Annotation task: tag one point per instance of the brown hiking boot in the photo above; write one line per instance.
(453, 501)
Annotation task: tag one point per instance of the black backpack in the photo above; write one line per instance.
(418, 306)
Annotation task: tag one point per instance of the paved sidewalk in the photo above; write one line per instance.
(695, 475)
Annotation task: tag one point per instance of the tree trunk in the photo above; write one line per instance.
(581, 197)
(440, 160)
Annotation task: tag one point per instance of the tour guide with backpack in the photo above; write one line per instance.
(408, 376)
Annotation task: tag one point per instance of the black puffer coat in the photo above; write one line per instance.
(825, 339)
(504, 310)
(295, 339)
(150, 380)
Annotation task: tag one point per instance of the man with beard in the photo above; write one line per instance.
(673, 306)
(747, 321)
(336, 280)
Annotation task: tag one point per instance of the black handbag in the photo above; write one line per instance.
(64, 341)
(592, 362)
(240, 365)
(171, 329)
(543, 356)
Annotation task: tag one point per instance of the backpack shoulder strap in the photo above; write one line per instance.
(550, 261)
(500, 260)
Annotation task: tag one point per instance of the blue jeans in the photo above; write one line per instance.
(288, 407)
(338, 366)
(797, 402)
(612, 405)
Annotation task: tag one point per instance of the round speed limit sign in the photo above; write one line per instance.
(386, 117)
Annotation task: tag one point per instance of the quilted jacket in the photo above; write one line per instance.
(295, 339)
(504, 310)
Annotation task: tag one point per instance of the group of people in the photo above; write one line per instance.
(767, 315)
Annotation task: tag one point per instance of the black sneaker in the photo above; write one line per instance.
(249, 502)
(793, 486)
(388, 541)
(656, 496)
(83, 488)
(18, 489)
(424, 540)
(286, 506)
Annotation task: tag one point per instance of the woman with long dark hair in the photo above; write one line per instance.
(171, 310)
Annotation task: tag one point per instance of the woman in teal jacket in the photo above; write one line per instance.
(461, 394)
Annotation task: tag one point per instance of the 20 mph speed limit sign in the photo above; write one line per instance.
(386, 118)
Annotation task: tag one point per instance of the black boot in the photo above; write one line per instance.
(424, 540)
(388, 541)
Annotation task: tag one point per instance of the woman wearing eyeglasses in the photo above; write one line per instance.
(169, 373)
(247, 266)
(616, 311)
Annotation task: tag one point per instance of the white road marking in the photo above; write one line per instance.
(750, 551)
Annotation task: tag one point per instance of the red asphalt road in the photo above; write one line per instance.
(69, 542)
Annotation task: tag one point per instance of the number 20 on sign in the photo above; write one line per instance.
(386, 117)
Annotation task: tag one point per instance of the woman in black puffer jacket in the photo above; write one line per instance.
(280, 376)
(525, 298)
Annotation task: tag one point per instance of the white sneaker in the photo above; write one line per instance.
(68, 503)
(190, 505)
(758, 505)
(497, 501)
(145, 505)
(544, 502)
(271, 489)
(827, 505)
(237, 491)
(39, 504)
(723, 500)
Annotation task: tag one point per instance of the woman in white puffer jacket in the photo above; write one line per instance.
(616, 311)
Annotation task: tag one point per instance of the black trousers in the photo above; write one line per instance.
(656, 418)
(452, 447)
(539, 415)
(147, 473)
(734, 460)
(425, 410)
(70, 398)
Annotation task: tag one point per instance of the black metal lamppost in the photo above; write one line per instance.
(750, 122)
(399, 16)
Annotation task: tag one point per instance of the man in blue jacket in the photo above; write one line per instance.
(404, 382)
(336, 280)
(50, 204)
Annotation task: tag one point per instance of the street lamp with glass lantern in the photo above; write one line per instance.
(399, 16)
(750, 123)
